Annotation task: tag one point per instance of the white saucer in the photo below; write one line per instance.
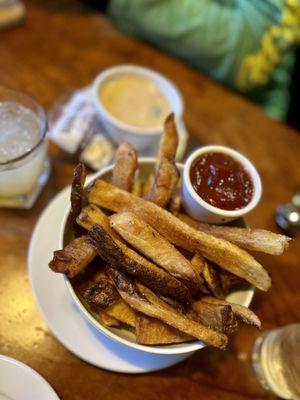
(62, 315)
(20, 382)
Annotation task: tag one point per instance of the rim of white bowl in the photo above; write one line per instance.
(247, 164)
(156, 77)
(179, 348)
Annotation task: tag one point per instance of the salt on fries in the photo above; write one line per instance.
(159, 273)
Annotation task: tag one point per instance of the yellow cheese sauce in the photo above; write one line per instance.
(136, 101)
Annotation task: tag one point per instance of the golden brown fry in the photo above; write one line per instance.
(219, 317)
(166, 179)
(118, 255)
(152, 331)
(78, 181)
(107, 320)
(198, 262)
(154, 246)
(247, 238)
(122, 312)
(125, 167)
(74, 257)
(168, 142)
(136, 300)
(219, 251)
(212, 280)
(241, 312)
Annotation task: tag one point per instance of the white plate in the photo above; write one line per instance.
(63, 316)
(20, 382)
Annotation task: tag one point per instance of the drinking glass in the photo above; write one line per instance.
(24, 165)
(276, 361)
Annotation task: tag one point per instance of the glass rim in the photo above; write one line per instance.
(42, 128)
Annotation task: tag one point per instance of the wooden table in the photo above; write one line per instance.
(61, 46)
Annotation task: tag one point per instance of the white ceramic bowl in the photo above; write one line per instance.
(124, 336)
(120, 132)
(200, 209)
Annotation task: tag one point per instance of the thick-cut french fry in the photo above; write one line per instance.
(152, 331)
(160, 280)
(125, 167)
(102, 294)
(166, 179)
(107, 320)
(212, 280)
(219, 251)
(79, 176)
(219, 317)
(122, 312)
(118, 255)
(198, 262)
(136, 300)
(154, 246)
(74, 257)
(247, 238)
(241, 312)
(168, 142)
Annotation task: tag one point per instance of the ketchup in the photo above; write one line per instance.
(221, 181)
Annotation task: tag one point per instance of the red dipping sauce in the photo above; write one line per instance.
(221, 181)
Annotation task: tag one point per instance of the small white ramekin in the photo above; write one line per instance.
(120, 132)
(199, 209)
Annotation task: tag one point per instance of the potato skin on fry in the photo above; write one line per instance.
(125, 167)
(74, 257)
(154, 246)
(78, 181)
(247, 238)
(120, 257)
(168, 142)
(130, 293)
(165, 181)
(219, 251)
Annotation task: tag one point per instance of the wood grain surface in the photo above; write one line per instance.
(61, 46)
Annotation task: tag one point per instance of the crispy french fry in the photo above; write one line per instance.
(219, 317)
(219, 251)
(241, 312)
(198, 262)
(122, 312)
(136, 300)
(74, 257)
(247, 238)
(154, 246)
(229, 280)
(168, 142)
(79, 176)
(212, 280)
(107, 320)
(102, 294)
(125, 167)
(118, 255)
(152, 331)
(166, 179)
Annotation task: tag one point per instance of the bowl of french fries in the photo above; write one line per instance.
(146, 274)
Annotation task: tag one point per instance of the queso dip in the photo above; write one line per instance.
(135, 100)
